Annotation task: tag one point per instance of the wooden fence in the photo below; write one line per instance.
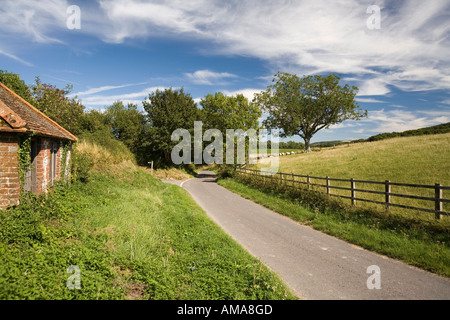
(292, 180)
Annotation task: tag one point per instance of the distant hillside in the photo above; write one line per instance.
(440, 128)
(324, 144)
(437, 129)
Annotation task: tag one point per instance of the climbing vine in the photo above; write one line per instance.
(24, 157)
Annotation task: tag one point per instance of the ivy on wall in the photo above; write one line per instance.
(24, 157)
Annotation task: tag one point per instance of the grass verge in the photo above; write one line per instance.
(419, 243)
(132, 237)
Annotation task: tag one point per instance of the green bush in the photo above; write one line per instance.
(81, 166)
(226, 171)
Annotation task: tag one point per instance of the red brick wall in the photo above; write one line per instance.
(9, 173)
(42, 166)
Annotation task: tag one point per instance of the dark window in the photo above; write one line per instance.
(30, 176)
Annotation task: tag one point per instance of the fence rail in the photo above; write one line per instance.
(290, 180)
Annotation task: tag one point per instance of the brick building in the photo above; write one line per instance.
(50, 146)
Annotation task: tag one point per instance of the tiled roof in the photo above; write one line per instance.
(20, 116)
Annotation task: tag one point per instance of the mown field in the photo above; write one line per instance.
(132, 237)
(420, 159)
(417, 160)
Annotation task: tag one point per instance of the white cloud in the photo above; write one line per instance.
(35, 19)
(368, 100)
(107, 100)
(16, 58)
(207, 77)
(307, 36)
(400, 120)
(410, 51)
(374, 87)
(104, 88)
(248, 93)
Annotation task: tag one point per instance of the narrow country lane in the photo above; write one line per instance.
(314, 265)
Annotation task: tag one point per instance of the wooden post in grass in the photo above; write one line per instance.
(352, 182)
(328, 184)
(438, 203)
(308, 180)
(387, 193)
(151, 167)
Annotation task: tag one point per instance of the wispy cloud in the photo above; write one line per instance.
(308, 36)
(14, 57)
(400, 120)
(207, 77)
(368, 100)
(105, 88)
(107, 100)
(409, 52)
(248, 93)
(34, 19)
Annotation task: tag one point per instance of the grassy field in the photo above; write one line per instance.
(412, 236)
(396, 159)
(132, 237)
(417, 159)
(414, 241)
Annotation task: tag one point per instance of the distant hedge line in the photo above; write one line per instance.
(441, 128)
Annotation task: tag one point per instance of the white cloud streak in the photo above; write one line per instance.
(399, 120)
(15, 58)
(104, 88)
(207, 77)
(410, 51)
(107, 100)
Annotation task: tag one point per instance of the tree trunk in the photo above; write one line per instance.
(307, 144)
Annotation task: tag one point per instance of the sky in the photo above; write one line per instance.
(396, 52)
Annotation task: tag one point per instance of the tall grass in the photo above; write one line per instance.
(420, 159)
(133, 237)
(99, 152)
(415, 160)
(424, 244)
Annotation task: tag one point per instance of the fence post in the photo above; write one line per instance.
(438, 203)
(308, 181)
(293, 180)
(387, 190)
(353, 191)
(281, 178)
(328, 184)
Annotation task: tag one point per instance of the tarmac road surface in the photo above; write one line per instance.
(314, 265)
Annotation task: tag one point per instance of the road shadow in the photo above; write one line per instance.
(207, 176)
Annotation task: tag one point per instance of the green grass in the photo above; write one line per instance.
(418, 243)
(415, 160)
(132, 237)
(419, 159)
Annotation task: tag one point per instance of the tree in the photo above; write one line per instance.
(94, 121)
(167, 111)
(303, 106)
(55, 103)
(14, 83)
(127, 124)
(229, 112)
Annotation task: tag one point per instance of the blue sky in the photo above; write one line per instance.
(126, 49)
